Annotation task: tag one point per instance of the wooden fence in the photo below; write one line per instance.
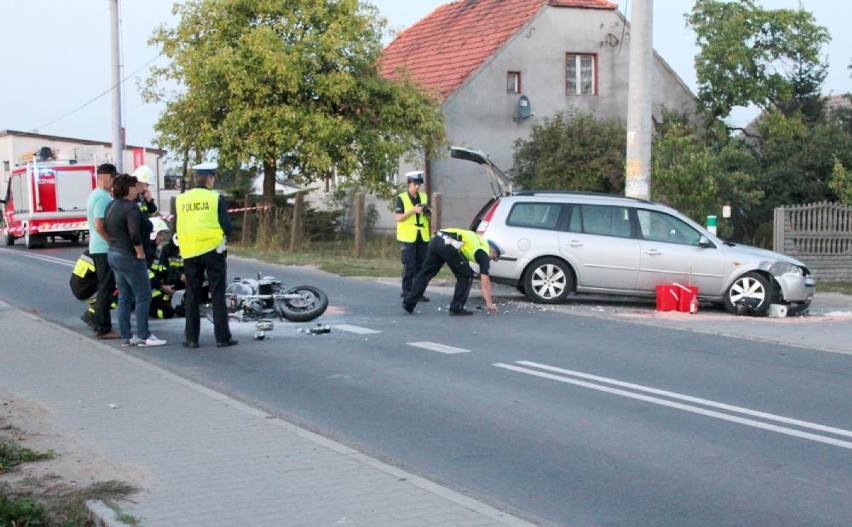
(818, 234)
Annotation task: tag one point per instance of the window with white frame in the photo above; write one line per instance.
(580, 74)
(513, 82)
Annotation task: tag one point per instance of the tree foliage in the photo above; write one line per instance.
(841, 183)
(698, 171)
(748, 55)
(572, 151)
(289, 85)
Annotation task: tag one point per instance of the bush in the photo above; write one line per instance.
(20, 512)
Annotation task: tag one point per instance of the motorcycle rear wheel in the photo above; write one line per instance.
(312, 302)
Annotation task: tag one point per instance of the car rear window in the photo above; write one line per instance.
(534, 215)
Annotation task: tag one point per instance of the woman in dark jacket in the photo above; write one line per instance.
(124, 225)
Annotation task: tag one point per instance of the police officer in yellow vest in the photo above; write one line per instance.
(457, 248)
(202, 223)
(412, 229)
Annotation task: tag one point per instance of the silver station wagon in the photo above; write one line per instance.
(559, 243)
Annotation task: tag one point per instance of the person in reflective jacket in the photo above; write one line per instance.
(457, 248)
(412, 229)
(202, 225)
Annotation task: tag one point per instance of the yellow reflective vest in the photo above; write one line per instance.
(407, 229)
(472, 243)
(198, 226)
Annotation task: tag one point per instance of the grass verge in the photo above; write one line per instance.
(47, 503)
(381, 257)
(835, 287)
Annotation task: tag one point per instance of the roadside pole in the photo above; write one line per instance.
(117, 132)
(639, 107)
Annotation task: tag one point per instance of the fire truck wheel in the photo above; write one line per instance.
(35, 241)
(10, 240)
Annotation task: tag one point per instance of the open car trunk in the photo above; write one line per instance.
(500, 183)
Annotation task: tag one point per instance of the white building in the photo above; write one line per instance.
(16, 148)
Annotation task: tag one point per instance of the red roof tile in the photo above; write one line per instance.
(443, 49)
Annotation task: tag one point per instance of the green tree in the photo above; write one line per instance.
(574, 152)
(744, 50)
(841, 183)
(289, 86)
(806, 98)
(698, 172)
(798, 158)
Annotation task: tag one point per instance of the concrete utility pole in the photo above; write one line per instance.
(117, 132)
(639, 108)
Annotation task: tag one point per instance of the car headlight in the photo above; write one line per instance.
(782, 268)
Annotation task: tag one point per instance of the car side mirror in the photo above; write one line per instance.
(704, 241)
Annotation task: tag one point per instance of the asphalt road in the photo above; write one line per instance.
(574, 420)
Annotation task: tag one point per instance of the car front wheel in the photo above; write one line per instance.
(752, 290)
(548, 281)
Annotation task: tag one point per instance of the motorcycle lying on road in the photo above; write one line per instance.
(259, 299)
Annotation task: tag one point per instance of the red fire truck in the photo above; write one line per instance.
(47, 201)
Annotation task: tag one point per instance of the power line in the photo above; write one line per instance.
(75, 110)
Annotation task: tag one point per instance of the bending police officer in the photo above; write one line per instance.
(457, 248)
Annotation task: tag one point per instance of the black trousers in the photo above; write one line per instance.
(216, 266)
(103, 298)
(161, 306)
(413, 256)
(441, 253)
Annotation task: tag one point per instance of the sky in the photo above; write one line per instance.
(57, 76)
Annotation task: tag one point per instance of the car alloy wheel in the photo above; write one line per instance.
(753, 288)
(548, 281)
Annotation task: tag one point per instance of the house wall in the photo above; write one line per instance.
(481, 114)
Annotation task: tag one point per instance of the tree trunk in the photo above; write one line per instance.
(298, 218)
(244, 231)
(269, 167)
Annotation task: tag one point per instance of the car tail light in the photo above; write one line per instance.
(486, 219)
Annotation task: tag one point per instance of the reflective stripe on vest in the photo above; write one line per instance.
(472, 243)
(406, 230)
(198, 226)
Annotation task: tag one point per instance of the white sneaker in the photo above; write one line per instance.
(151, 341)
(132, 341)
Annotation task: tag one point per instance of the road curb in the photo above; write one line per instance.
(102, 515)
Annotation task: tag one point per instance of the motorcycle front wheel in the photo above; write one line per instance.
(310, 304)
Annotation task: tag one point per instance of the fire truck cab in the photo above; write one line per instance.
(47, 201)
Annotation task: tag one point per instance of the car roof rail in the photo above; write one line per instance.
(579, 193)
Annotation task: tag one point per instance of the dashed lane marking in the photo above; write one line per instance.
(355, 329)
(440, 348)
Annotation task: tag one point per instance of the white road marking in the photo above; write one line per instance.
(685, 407)
(440, 348)
(705, 402)
(44, 258)
(355, 329)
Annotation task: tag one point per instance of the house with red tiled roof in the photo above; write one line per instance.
(499, 67)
